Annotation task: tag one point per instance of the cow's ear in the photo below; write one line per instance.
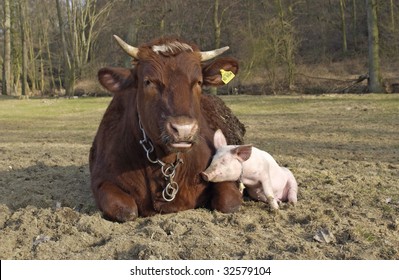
(219, 140)
(115, 79)
(242, 152)
(212, 72)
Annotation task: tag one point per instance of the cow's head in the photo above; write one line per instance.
(168, 78)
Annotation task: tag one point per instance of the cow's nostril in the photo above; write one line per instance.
(173, 129)
(183, 130)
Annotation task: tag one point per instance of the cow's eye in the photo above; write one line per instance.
(147, 82)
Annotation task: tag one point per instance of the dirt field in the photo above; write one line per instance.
(343, 150)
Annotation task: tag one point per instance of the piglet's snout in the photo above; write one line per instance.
(205, 176)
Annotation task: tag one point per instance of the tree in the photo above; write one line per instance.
(354, 22)
(289, 44)
(87, 16)
(343, 26)
(69, 77)
(22, 23)
(392, 13)
(373, 48)
(77, 41)
(270, 37)
(217, 24)
(7, 78)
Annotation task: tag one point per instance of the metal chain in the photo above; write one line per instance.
(168, 169)
(169, 172)
(148, 150)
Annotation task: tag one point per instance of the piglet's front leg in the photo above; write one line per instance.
(272, 202)
(268, 190)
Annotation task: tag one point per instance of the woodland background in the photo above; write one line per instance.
(56, 47)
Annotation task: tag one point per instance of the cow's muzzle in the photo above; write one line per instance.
(182, 132)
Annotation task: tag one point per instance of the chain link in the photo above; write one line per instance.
(168, 169)
(170, 191)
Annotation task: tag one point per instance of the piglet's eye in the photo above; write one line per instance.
(199, 83)
(147, 82)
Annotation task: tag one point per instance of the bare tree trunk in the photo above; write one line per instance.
(50, 60)
(343, 26)
(373, 46)
(32, 70)
(69, 77)
(392, 16)
(164, 10)
(74, 39)
(41, 83)
(24, 74)
(217, 24)
(288, 45)
(7, 74)
(354, 22)
(31, 48)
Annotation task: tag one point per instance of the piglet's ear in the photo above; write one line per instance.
(242, 152)
(219, 140)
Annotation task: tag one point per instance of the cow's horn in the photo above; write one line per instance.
(212, 54)
(131, 51)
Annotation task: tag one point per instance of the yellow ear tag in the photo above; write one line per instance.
(227, 76)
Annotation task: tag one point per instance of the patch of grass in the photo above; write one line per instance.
(352, 125)
(54, 120)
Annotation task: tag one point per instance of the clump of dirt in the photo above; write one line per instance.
(348, 202)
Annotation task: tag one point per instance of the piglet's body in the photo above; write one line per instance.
(264, 179)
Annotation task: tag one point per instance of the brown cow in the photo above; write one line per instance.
(154, 139)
